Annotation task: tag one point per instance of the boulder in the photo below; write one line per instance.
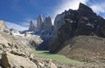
(3, 42)
(41, 63)
(52, 65)
(14, 61)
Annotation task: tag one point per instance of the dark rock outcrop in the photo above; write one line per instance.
(74, 23)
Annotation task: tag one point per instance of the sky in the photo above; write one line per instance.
(18, 13)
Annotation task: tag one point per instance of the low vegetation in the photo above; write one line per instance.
(56, 57)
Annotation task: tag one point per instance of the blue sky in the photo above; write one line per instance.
(22, 10)
(19, 12)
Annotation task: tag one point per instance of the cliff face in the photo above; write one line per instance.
(83, 21)
(44, 28)
(32, 26)
(41, 24)
(74, 23)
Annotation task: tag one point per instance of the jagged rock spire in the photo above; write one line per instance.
(85, 10)
(32, 26)
(40, 21)
(84, 7)
(48, 22)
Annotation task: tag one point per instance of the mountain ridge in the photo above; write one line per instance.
(74, 23)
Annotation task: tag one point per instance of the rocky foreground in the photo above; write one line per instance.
(18, 52)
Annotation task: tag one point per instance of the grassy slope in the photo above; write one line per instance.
(56, 57)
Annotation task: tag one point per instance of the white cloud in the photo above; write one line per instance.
(67, 4)
(15, 26)
(98, 7)
(27, 21)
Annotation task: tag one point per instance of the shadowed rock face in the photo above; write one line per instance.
(44, 28)
(89, 23)
(74, 23)
(45, 32)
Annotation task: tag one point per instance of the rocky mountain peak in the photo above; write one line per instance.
(32, 26)
(48, 22)
(85, 10)
(75, 23)
(42, 27)
(48, 19)
(40, 19)
(84, 7)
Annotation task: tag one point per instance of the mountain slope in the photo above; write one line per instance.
(73, 23)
